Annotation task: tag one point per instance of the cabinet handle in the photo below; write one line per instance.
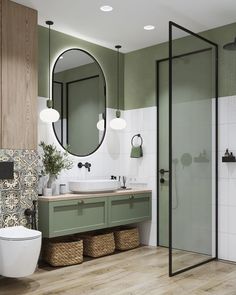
(131, 197)
(81, 202)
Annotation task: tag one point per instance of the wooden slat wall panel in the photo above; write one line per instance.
(19, 76)
(0, 73)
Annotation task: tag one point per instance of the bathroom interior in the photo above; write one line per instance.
(117, 147)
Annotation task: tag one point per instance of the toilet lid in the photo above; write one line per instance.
(18, 233)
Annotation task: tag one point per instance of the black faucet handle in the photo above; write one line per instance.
(87, 165)
(113, 177)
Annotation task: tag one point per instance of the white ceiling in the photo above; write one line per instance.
(124, 25)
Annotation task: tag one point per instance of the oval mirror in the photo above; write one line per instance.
(79, 95)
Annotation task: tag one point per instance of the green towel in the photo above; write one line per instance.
(136, 152)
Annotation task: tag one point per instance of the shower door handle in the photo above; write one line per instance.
(163, 171)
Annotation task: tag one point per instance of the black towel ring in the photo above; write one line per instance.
(137, 135)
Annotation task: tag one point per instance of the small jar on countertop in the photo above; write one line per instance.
(63, 189)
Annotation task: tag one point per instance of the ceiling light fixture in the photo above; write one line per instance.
(49, 115)
(118, 123)
(106, 8)
(149, 27)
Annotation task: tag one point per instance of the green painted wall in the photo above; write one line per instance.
(140, 67)
(105, 57)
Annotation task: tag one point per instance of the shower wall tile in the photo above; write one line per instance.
(231, 247)
(223, 246)
(17, 194)
(232, 193)
(223, 219)
(223, 110)
(223, 132)
(232, 109)
(227, 179)
(223, 186)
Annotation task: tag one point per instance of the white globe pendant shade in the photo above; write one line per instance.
(49, 115)
(118, 124)
(100, 125)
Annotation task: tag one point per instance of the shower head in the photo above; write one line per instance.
(230, 46)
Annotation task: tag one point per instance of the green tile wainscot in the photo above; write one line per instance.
(76, 213)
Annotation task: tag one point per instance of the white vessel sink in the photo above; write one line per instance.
(92, 186)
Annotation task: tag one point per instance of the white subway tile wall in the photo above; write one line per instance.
(227, 179)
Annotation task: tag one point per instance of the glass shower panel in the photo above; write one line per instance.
(193, 103)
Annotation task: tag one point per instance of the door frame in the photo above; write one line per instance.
(171, 273)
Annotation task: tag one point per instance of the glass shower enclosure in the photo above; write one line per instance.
(187, 93)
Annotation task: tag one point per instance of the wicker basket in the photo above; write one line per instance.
(126, 238)
(63, 251)
(97, 244)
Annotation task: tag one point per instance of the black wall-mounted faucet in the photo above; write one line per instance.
(87, 165)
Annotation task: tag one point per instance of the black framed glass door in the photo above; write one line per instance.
(193, 136)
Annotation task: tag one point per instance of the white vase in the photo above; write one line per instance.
(47, 191)
(52, 184)
(51, 180)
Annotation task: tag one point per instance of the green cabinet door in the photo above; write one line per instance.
(73, 216)
(128, 209)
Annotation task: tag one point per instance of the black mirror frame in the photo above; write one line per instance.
(105, 97)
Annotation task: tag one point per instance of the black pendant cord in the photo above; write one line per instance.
(49, 23)
(118, 76)
(49, 58)
(118, 79)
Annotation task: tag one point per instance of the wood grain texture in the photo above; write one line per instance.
(0, 74)
(142, 271)
(19, 76)
(76, 196)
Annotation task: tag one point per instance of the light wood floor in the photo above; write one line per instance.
(142, 271)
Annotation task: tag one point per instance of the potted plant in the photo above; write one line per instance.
(53, 162)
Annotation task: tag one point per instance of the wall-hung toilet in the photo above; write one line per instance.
(19, 251)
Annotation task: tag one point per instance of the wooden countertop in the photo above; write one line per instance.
(74, 196)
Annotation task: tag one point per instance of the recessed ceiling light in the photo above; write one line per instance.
(106, 8)
(149, 27)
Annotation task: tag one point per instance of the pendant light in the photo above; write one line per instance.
(49, 115)
(101, 123)
(118, 123)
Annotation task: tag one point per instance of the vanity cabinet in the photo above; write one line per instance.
(73, 216)
(64, 215)
(18, 76)
(129, 209)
